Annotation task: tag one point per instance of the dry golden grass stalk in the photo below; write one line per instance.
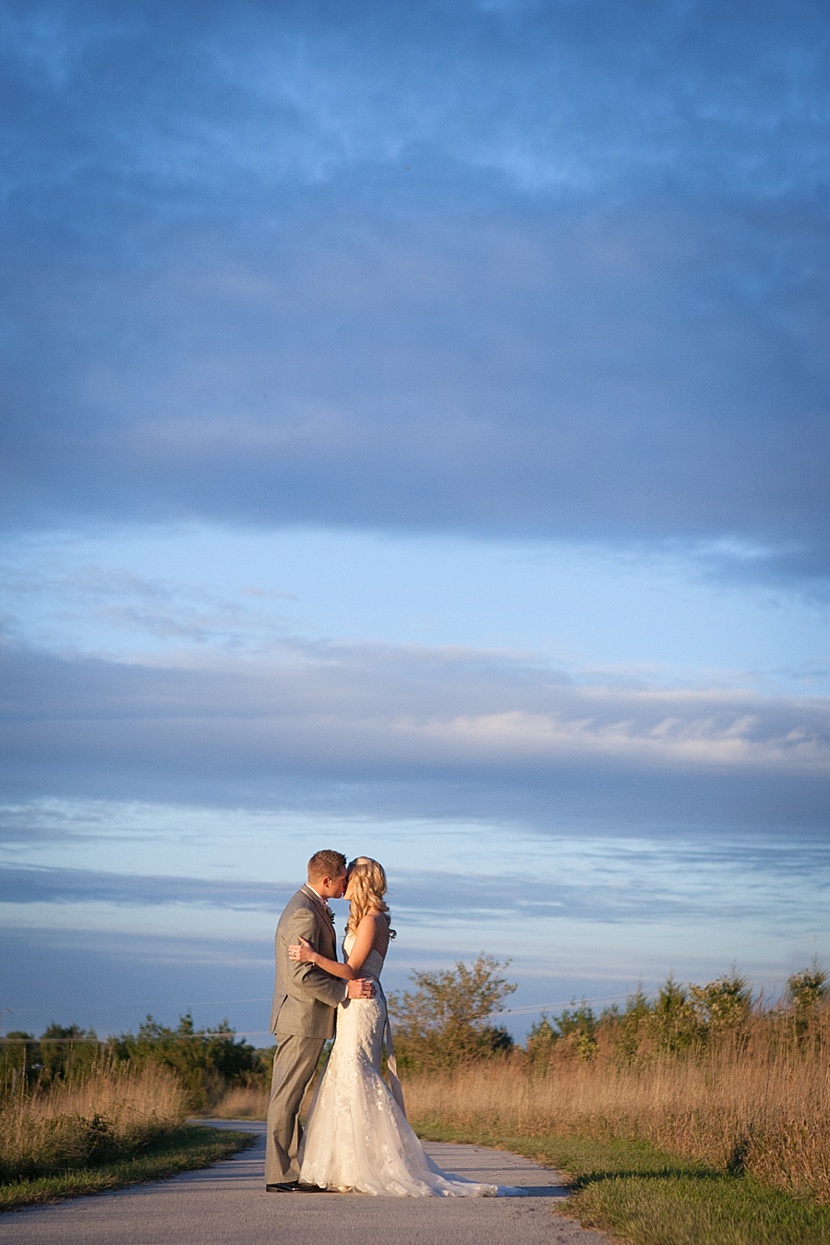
(760, 1107)
(114, 1110)
(245, 1102)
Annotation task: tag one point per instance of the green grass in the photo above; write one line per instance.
(650, 1197)
(188, 1148)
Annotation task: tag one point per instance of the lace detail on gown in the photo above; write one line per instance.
(357, 1136)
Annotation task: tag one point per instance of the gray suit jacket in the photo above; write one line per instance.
(305, 997)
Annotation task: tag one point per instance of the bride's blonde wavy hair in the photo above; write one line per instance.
(367, 879)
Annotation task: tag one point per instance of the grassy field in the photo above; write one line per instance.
(244, 1103)
(111, 1112)
(762, 1112)
(113, 1126)
(731, 1145)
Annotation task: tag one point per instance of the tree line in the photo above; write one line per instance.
(446, 1021)
(206, 1061)
(685, 1020)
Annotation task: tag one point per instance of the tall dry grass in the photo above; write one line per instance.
(243, 1102)
(762, 1108)
(112, 1111)
(250, 1102)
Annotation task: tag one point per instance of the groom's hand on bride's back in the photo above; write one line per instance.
(361, 988)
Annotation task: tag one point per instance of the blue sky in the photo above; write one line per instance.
(415, 441)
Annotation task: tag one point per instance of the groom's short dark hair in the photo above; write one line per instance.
(326, 864)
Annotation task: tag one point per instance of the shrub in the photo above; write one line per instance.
(206, 1061)
(806, 991)
(444, 1022)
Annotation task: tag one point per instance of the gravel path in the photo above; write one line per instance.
(227, 1205)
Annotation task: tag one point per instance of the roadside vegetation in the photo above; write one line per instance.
(697, 1116)
(110, 1112)
(79, 1116)
(699, 1072)
(206, 1062)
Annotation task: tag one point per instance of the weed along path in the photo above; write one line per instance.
(227, 1205)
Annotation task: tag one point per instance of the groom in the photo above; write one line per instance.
(303, 1011)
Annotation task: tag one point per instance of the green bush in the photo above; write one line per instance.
(806, 992)
(683, 1019)
(446, 1021)
(207, 1062)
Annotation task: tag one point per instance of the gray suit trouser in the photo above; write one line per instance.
(295, 1062)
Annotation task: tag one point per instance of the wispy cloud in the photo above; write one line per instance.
(33, 884)
(369, 715)
(425, 899)
(117, 600)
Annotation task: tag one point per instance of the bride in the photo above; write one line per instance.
(357, 1137)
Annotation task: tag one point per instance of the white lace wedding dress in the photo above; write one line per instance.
(357, 1137)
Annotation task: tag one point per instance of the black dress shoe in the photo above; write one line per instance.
(289, 1186)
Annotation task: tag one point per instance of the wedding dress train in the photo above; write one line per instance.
(357, 1137)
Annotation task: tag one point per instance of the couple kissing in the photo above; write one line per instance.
(357, 1138)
